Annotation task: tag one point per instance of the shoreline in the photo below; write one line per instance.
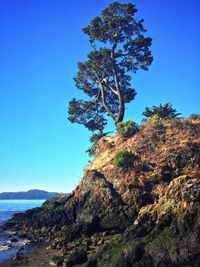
(12, 244)
(39, 256)
(12, 241)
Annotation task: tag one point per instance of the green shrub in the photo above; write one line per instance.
(96, 137)
(92, 150)
(194, 116)
(57, 261)
(154, 120)
(162, 111)
(103, 184)
(127, 128)
(124, 159)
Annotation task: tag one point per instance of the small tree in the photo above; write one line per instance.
(119, 48)
(162, 111)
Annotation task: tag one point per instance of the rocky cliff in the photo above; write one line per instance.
(147, 214)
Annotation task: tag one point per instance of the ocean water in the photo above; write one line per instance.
(8, 248)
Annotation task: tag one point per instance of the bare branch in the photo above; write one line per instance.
(110, 87)
(98, 96)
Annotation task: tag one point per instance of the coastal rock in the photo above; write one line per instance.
(18, 256)
(14, 239)
(149, 211)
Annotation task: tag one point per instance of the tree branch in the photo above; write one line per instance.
(107, 84)
(123, 55)
(98, 96)
(103, 99)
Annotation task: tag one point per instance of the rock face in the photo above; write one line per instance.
(144, 215)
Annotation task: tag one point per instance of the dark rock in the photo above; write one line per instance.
(57, 261)
(77, 257)
(14, 239)
(18, 256)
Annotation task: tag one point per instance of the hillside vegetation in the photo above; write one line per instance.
(144, 213)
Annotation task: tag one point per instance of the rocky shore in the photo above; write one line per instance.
(145, 215)
(38, 257)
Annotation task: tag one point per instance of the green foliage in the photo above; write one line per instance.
(127, 128)
(124, 159)
(162, 111)
(111, 253)
(94, 139)
(86, 113)
(194, 116)
(92, 150)
(119, 47)
(103, 184)
(154, 120)
(97, 136)
(77, 257)
(57, 261)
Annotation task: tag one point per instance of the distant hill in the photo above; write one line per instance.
(31, 194)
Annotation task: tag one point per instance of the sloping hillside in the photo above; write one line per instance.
(146, 214)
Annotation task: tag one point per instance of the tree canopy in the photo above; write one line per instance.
(162, 111)
(119, 48)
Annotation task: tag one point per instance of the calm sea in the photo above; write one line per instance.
(7, 209)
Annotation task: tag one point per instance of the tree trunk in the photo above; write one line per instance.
(103, 100)
(120, 116)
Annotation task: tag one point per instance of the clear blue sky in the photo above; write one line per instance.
(40, 43)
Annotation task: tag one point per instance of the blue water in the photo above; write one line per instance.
(7, 209)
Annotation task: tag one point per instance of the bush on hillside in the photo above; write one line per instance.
(162, 111)
(154, 120)
(127, 128)
(194, 116)
(96, 137)
(124, 159)
(92, 150)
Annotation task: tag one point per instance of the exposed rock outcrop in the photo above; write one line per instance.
(145, 215)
